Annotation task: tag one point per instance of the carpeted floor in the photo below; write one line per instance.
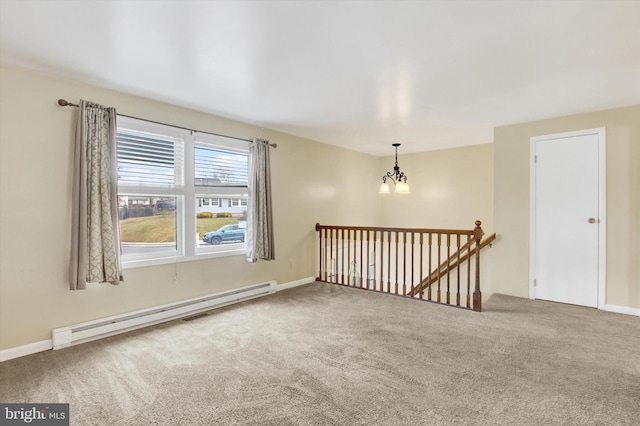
(322, 354)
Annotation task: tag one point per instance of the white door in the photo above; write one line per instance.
(567, 216)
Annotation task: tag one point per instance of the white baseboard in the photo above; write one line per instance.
(25, 350)
(622, 310)
(296, 283)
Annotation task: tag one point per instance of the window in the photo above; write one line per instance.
(238, 203)
(213, 202)
(171, 187)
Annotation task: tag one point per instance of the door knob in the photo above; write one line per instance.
(592, 220)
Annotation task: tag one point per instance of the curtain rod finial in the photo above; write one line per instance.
(63, 102)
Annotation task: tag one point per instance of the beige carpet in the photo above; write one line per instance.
(321, 354)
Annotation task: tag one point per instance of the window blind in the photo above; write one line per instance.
(148, 159)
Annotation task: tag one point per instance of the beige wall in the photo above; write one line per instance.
(312, 182)
(450, 188)
(510, 267)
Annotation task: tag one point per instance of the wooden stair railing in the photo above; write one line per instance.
(451, 263)
(395, 257)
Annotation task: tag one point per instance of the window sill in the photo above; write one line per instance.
(179, 259)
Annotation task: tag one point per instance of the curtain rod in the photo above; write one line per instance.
(63, 103)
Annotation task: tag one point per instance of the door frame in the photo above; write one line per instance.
(602, 207)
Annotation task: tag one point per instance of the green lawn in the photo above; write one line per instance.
(162, 228)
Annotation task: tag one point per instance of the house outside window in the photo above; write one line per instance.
(172, 186)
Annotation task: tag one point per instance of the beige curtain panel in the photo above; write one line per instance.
(95, 244)
(260, 243)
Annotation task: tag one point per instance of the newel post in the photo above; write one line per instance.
(477, 295)
(319, 277)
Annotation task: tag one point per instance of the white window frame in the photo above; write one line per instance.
(185, 193)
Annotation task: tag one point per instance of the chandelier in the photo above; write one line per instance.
(397, 177)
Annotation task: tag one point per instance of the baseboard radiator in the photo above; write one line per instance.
(92, 330)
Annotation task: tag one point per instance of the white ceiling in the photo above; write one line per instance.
(358, 74)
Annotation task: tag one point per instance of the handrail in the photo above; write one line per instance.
(417, 230)
(394, 257)
(452, 262)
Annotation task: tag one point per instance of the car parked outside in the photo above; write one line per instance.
(224, 234)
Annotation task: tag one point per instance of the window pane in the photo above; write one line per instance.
(146, 159)
(147, 224)
(216, 225)
(220, 167)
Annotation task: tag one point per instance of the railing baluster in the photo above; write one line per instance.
(430, 255)
(458, 270)
(345, 272)
(356, 271)
(469, 271)
(396, 238)
(439, 250)
(349, 239)
(348, 270)
(421, 261)
(381, 245)
(361, 257)
(389, 262)
(381, 260)
(327, 255)
(404, 263)
(349, 261)
(349, 258)
(448, 269)
(355, 256)
(413, 259)
(340, 255)
(334, 257)
(337, 256)
(331, 254)
(352, 260)
(323, 266)
(375, 233)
